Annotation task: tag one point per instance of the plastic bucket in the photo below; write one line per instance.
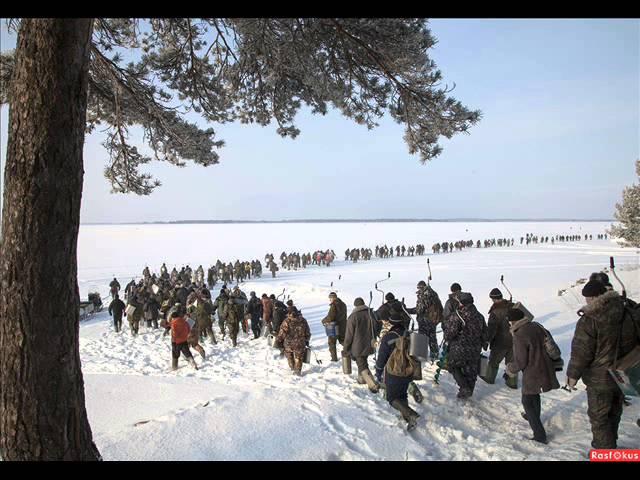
(331, 329)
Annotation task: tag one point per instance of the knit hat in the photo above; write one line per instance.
(293, 311)
(455, 287)
(389, 297)
(513, 315)
(358, 302)
(333, 295)
(495, 293)
(593, 288)
(290, 303)
(421, 284)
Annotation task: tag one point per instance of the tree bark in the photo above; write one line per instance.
(42, 404)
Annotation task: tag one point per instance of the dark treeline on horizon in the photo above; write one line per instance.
(356, 220)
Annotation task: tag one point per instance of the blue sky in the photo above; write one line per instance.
(559, 137)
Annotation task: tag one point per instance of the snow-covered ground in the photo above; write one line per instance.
(244, 404)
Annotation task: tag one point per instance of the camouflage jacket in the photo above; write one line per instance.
(464, 332)
(428, 306)
(593, 348)
(294, 333)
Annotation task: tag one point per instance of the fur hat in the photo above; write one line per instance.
(358, 302)
(495, 293)
(593, 288)
(455, 287)
(389, 297)
(421, 284)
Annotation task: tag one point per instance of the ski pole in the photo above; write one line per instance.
(613, 270)
(502, 281)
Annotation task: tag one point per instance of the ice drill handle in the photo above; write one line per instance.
(611, 263)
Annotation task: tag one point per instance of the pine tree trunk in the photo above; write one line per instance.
(42, 404)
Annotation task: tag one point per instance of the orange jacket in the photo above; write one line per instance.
(179, 330)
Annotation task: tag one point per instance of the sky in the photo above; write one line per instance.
(558, 138)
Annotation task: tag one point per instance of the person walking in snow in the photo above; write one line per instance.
(294, 334)
(538, 375)
(358, 341)
(336, 318)
(179, 338)
(465, 332)
(116, 308)
(394, 367)
(606, 326)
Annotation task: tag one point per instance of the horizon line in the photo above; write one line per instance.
(351, 220)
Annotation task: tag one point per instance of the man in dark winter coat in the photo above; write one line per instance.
(530, 357)
(464, 331)
(451, 304)
(116, 308)
(115, 287)
(279, 313)
(337, 315)
(396, 387)
(254, 309)
(152, 311)
(429, 312)
(358, 341)
(219, 304)
(604, 328)
(498, 336)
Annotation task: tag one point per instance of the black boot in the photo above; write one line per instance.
(409, 415)
(174, 363)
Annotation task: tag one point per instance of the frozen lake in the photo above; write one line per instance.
(122, 251)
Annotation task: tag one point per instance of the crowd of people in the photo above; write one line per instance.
(608, 328)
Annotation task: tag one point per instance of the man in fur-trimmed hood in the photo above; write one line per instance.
(605, 332)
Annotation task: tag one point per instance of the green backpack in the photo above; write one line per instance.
(400, 364)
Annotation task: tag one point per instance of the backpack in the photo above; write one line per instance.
(436, 312)
(400, 363)
(552, 349)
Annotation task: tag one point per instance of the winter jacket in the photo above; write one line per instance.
(498, 334)
(338, 315)
(279, 314)
(451, 305)
(594, 342)
(254, 307)
(359, 332)
(384, 312)
(396, 387)
(116, 308)
(428, 306)
(294, 333)
(152, 308)
(530, 357)
(464, 331)
(179, 330)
